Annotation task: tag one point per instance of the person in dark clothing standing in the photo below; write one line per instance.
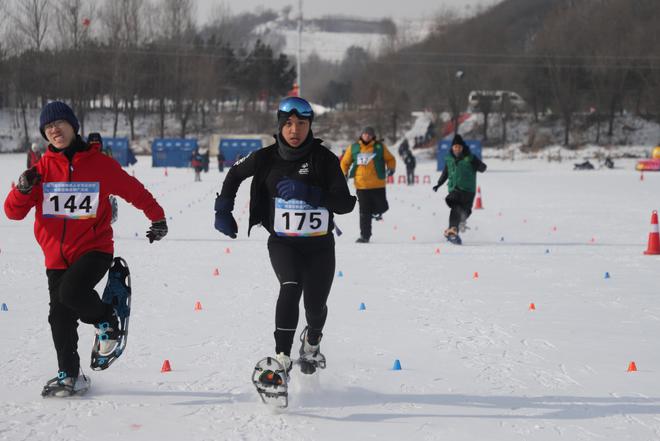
(410, 162)
(197, 163)
(297, 185)
(69, 189)
(221, 161)
(461, 168)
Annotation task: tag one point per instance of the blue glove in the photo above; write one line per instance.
(224, 220)
(292, 189)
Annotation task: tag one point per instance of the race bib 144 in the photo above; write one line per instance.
(70, 200)
(298, 218)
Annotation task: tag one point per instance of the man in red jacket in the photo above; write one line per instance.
(69, 188)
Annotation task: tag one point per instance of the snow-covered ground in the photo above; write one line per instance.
(478, 364)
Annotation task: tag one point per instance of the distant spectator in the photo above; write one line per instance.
(221, 161)
(206, 159)
(33, 156)
(404, 147)
(197, 162)
(409, 160)
(430, 133)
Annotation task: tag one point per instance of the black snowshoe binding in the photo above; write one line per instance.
(65, 386)
(310, 355)
(272, 382)
(118, 294)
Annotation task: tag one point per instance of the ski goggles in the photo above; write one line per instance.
(296, 105)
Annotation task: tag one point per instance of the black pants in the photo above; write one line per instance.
(460, 203)
(410, 172)
(304, 267)
(72, 297)
(371, 202)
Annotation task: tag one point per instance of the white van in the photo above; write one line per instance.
(516, 101)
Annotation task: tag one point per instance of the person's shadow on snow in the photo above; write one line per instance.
(488, 406)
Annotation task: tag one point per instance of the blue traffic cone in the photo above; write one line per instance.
(362, 307)
(340, 274)
(4, 307)
(136, 235)
(607, 275)
(547, 251)
(397, 365)
(502, 239)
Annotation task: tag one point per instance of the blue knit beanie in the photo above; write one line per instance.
(55, 111)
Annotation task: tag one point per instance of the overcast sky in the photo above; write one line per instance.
(357, 8)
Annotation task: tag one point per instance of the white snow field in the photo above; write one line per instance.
(477, 363)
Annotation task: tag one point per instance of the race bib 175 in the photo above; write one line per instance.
(70, 200)
(298, 218)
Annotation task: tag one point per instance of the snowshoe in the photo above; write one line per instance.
(271, 380)
(118, 294)
(63, 386)
(310, 355)
(455, 239)
(451, 234)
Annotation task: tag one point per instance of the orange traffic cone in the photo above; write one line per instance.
(165, 173)
(227, 250)
(654, 237)
(414, 238)
(476, 275)
(532, 307)
(477, 204)
(437, 251)
(641, 176)
(166, 366)
(216, 272)
(632, 367)
(198, 306)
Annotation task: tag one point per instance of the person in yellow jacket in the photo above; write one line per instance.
(370, 163)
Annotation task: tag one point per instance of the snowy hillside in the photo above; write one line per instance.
(478, 364)
(332, 46)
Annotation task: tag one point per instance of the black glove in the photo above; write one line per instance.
(435, 188)
(224, 220)
(157, 231)
(27, 180)
(390, 171)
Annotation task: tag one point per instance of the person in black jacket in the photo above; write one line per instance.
(411, 162)
(297, 185)
(461, 168)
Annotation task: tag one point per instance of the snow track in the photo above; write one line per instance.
(478, 364)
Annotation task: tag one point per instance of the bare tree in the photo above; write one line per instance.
(31, 19)
(74, 18)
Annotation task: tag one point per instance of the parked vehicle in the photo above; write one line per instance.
(496, 96)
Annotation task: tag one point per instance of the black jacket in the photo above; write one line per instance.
(324, 172)
(410, 161)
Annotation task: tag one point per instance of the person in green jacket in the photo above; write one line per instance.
(461, 168)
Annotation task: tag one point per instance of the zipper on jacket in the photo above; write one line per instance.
(65, 219)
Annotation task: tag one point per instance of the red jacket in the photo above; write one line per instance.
(75, 218)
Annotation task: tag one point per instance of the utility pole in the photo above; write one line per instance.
(298, 61)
